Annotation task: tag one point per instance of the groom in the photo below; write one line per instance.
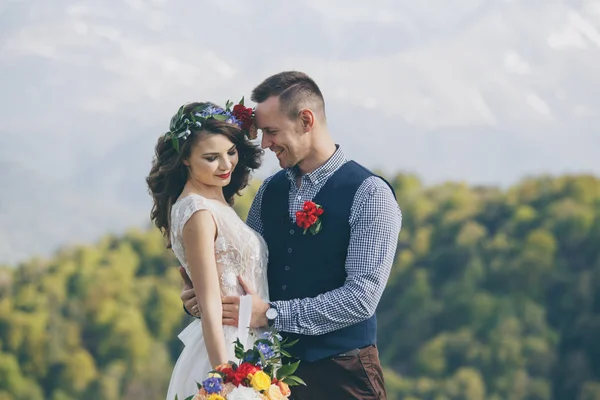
(324, 288)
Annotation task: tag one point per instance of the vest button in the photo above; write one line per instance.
(292, 232)
(287, 268)
(289, 250)
(284, 287)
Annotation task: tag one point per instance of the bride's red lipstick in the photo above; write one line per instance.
(225, 176)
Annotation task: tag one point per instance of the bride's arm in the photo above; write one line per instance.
(199, 242)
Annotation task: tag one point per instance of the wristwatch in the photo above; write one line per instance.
(271, 314)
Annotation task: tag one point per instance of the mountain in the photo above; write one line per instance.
(468, 90)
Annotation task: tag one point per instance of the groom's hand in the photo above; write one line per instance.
(187, 296)
(231, 308)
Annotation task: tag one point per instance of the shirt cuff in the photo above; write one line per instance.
(285, 317)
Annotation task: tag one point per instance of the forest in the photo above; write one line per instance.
(494, 294)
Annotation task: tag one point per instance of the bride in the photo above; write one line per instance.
(199, 166)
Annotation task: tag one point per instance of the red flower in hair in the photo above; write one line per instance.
(244, 115)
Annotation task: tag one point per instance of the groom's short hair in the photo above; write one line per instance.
(296, 90)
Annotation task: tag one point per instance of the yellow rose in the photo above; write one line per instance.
(215, 396)
(260, 381)
(274, 393)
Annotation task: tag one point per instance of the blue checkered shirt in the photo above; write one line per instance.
(375, 222)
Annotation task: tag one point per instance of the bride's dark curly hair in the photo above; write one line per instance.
(169, 175)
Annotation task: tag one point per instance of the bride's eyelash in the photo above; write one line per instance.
(230, 152)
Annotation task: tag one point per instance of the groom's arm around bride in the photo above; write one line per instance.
(324, 284)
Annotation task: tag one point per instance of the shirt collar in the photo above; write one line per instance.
(325, 171)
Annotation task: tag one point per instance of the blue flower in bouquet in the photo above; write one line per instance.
(213, 385)
(269, 336)
(265, 350)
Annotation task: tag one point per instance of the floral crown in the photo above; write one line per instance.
(182, 123)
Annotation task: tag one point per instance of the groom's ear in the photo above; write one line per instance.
(307, 119)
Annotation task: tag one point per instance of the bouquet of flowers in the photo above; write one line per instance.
(259, 374)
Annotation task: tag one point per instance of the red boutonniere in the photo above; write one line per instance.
(308, 218)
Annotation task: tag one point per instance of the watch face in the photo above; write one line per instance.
(271, 313)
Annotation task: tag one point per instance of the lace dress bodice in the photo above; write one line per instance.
(239, 250)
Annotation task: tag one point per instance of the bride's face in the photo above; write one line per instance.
(212, 160)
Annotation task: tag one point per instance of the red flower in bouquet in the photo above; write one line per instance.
(243, 371)
(227, 370)
(309, 217)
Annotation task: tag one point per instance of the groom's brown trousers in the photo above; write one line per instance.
(354, 375)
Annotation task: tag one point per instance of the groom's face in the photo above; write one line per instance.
(281, 134)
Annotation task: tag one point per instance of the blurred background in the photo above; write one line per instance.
(482, 113)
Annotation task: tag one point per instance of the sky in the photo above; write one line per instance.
(485, 92)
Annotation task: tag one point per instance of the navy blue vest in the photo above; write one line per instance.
(303, 266)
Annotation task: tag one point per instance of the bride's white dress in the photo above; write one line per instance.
(239, 250)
